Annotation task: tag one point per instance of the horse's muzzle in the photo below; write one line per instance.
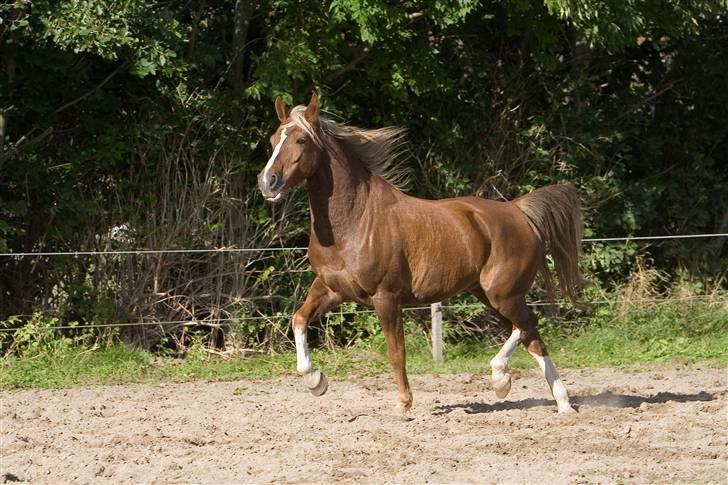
(271, 187)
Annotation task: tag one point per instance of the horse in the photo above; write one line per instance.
(375, 245)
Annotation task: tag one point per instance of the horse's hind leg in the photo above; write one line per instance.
(525, 330)
(500, 377)
(537, 349)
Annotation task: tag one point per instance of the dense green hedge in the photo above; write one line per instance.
(127, 124)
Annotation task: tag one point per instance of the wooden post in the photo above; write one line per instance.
(436, 311)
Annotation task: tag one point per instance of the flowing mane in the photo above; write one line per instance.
(379, 149)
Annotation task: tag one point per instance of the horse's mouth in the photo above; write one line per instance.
(276, 198)
(274, 194)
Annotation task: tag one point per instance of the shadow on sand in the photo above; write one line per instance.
(603, 399)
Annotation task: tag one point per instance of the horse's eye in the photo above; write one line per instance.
(301, 141)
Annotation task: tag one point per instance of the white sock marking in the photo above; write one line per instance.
(499, 363)
(271, 161)
(554, 381)
(303, 358)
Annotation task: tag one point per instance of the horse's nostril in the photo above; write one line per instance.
(273, 180)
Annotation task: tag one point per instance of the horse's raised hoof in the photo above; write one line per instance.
(502, 386)
(317, 382)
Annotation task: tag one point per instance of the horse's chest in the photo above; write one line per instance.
(353, 276)
(346, 285)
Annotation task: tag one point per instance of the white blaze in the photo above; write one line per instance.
(554, 381)
(303, 359)
(271, 161)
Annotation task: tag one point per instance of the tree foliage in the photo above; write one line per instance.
(110, 107)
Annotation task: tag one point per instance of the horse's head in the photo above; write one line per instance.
(296, 150)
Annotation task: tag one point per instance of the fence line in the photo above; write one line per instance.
(261, 250)
(152, 251)
(655, 238)
(215, 321)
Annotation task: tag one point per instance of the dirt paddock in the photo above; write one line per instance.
(649, 425)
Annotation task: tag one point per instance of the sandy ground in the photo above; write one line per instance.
(662, 425)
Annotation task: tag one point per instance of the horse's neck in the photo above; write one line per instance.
(338, 194)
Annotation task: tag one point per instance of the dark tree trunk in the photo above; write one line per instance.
(243, 12)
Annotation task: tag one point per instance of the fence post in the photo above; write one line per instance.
(436, 312)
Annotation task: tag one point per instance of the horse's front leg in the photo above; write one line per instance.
(389, 311)
(318, 301)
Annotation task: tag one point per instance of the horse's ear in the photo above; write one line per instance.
(312, 110)
(282, 110)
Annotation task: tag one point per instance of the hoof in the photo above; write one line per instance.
(321, 388)
(402, 417)
(566, 409)
(502, 386)
(317, 382)
(403, 408)
(405, 403)
(401, 413)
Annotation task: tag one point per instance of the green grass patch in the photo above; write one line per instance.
(72, 366)
(657, 334)
(675, 332)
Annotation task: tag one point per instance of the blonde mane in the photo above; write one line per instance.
(379, 149)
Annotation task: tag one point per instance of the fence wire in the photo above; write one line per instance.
(216, 322)
(262, 250)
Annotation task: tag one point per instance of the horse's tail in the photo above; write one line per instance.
(556, 211)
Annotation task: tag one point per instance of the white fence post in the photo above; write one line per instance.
(436, 311)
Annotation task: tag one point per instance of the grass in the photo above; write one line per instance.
(664, 333)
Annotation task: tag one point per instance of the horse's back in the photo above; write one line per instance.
(501, 223)
(503, 228)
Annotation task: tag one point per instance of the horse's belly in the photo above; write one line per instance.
(447, 260)
(439, 280)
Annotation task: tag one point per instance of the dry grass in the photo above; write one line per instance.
(643, 285)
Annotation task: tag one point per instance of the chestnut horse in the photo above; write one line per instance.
(375, 245)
